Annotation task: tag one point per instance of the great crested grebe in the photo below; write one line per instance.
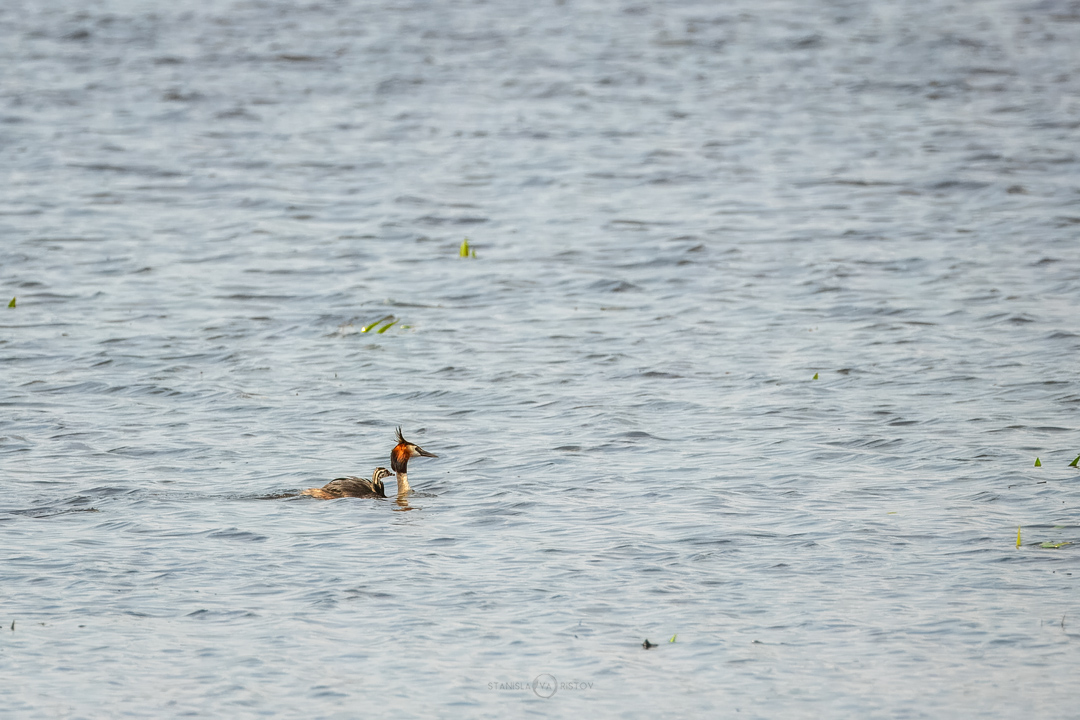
(352, 486)
(399, 460)
(359, 487)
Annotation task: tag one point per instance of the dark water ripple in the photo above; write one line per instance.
(681, 213)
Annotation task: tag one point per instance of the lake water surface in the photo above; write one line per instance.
(682, 214)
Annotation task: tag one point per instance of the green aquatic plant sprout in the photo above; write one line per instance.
(12, 303)
(381, 320)
(1038, 463)
(1072, 464)
(815, 377)
(389, 321)
(1017, 536)
(673, 638)
(464, 252)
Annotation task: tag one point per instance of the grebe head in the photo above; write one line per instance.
(399, 456)
(376, 481)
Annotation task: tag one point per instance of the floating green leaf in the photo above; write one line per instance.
(12, 303)
(464, 252)
(1072, 464)
(383, 319)
(673, 637)
(386, 327)
(815, 376)
(1038, 462)
(1053, 545)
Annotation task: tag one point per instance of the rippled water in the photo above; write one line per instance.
(681, 213)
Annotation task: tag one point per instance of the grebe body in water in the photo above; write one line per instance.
(399, 461)
(352, 487)
(373, 488)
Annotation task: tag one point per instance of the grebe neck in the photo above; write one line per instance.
(403, 483)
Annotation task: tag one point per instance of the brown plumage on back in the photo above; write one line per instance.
(352, 487)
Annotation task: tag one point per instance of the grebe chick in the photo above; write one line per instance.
(352, 487)
(399, 461)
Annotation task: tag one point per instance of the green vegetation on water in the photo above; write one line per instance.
(381, 320)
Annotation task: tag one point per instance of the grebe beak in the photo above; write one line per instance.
(424, 452)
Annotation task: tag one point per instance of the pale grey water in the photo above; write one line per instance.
(681, 212)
